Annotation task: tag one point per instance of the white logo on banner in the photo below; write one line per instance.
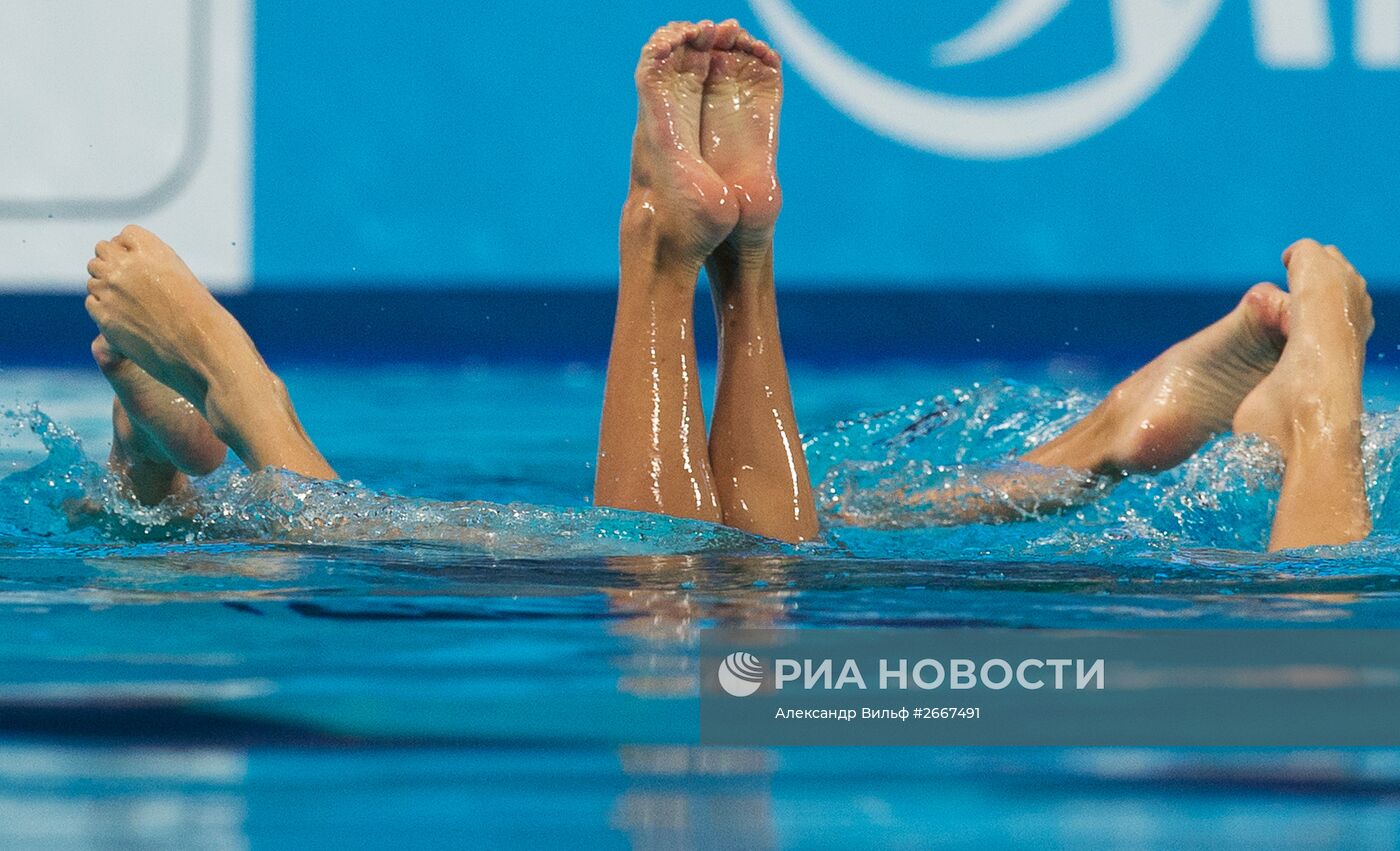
(1152, 38)
(118, 112)
(741, 674)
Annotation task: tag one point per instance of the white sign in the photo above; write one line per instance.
(114, 113)
(1152, 38)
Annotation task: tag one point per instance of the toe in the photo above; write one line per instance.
(660, 42)
(676, 32)
(665, 40)
(131, 235)
(1269, 306)
(1336, 254)
(106, 357)
(726, 34)
(761, 51)
(1266, 292)
(1299, 247)
(653, 53)
(703, 36)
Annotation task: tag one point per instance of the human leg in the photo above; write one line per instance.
(153, 312)
(1151, 421)
(652, 452)
(755, 449)
(157, 436)
(1310, 406)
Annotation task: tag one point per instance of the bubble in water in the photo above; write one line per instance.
(937, 479)
(66, 495)
(930, 480)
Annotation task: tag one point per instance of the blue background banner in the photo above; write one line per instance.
(468, 144)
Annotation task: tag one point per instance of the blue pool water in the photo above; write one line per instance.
(267, 673)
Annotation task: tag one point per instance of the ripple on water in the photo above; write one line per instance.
(1211, 513)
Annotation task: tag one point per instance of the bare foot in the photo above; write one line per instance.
(1161, 414)
(1315, 391)
(153, 425)
(677, 201)
(739, 130)
(152, 310)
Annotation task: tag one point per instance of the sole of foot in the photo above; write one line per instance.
(676, 200)
(739, 129)
(1160, 415)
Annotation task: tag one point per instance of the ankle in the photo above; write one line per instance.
(742, 278)
(653, 272)
(1088, 445)
(677, 229)
(1324, 425)
(745, 256)
(247, 407)
(654, 248)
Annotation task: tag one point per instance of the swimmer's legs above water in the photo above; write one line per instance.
(1161, 414)
(1151, 421)
(1284, 366)
(188, 379)
(190, 383)
(1310, 406)
(163, 440)
(704, 192)
(691, 199)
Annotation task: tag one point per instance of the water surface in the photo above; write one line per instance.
(369, 662)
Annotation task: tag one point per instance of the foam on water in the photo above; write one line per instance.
(66, 495)
(902, 483)
(875, 473)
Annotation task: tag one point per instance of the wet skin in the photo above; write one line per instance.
(154, 313)
(1310, 406)
(704, 192)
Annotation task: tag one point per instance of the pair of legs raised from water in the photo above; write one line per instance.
(1285, 366)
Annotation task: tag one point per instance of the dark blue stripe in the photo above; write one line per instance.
(819, 326)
